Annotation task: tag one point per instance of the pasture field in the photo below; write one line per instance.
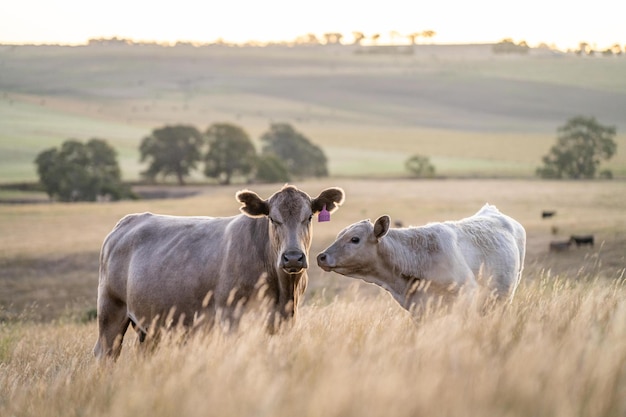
(558, 350)
(49, 252)
(475, 114)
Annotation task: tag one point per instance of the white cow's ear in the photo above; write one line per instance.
(381, 226)
(253, 205)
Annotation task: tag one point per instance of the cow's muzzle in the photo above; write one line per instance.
(293, 261)
(324, 261)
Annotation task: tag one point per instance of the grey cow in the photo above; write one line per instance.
(154, 267)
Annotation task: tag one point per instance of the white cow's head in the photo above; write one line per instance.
(355, 251)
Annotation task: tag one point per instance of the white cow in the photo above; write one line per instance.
(432, 262)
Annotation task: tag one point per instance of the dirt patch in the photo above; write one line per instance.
(62, 286)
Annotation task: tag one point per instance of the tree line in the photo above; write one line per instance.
(357, 38)
(87, 172)
(308, 39)
(508, 46)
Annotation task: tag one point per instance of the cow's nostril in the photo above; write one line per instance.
(321, 257)
(294, 258)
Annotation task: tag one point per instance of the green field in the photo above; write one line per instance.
(473, 113)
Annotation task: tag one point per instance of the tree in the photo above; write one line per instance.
(507, 46)
(105, 169)
(230, 152)
(584, 49)
(308, 39)
(358, 37)
(301, 157)
(413, 37)
(428, 34)
(582, 143)
(333, 38)
(616, 49)
(420, 166)
(81, 172)
(172, 150)
(271, 169)
(49, 171)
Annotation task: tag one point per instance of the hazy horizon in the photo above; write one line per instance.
(70, 22)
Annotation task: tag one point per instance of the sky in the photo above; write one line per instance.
(563, 23)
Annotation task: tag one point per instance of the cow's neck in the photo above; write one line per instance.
(286, 291)
(290, 290)
(408, 251)
(403, 263)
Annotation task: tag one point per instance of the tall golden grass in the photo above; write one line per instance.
(559, 349)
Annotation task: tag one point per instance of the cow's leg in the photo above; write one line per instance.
(141, 333)
(148, 338)
(112, 324)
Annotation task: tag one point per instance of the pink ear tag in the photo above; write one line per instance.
(324, 215)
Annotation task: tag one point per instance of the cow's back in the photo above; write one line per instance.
(497, 243)
(511, 226)
(154, 262)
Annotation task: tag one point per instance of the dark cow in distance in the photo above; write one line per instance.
(158, 269)
(582, 240)
(560, 246)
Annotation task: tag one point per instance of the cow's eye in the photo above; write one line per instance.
(275, 222)
(308, 220)
(355, 239)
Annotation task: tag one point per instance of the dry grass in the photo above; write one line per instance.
(557, 350)
(49, 252)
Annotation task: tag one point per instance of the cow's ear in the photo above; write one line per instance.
(253, 205)
(381, 226)
(332, 198)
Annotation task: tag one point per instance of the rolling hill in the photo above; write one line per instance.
(474, 113)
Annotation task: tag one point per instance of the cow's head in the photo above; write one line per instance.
(290, 212)
(354, 252)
